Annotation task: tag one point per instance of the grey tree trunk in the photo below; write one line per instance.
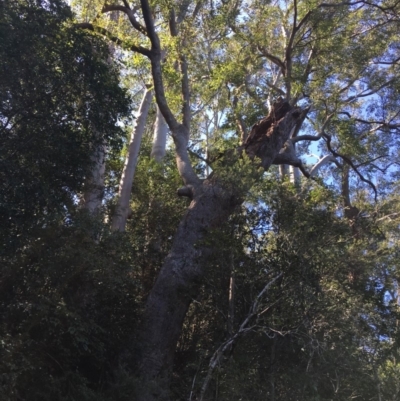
(125, 186)
(160, 137)
(94, 186)
(283, 171)
(182, 272)
(294, 175)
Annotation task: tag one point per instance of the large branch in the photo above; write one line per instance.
(276, 60)
(148, 19)
(186, 112)
(288, 53)
(187, 115)
(129, 12)
(180, 132)
(325, 160)
(113, 38)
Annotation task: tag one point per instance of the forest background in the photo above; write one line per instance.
(199, 200)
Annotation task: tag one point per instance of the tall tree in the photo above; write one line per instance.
(266, 80)
(327, 62)
(125, 187)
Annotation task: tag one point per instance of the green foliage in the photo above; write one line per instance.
(68, 306)
(155, 212)
(59, 97)
(315, 331)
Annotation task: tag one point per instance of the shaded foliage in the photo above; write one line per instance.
(59, 96)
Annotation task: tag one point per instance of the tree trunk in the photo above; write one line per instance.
(295, 176)
(160, 137)
(182, 272)
(125, 186)
(94, 186)
(231, 296)
(283, 171)
(350, 212)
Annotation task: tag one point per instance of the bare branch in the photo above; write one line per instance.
(303, 116)
(243, 329)
(344, 3)
(312, 137)
(371, 161)
(307, 138)
(304, 20)
(307, 69)
(395, 61)
(197, 8)
(371, 92)
(198, 156)
(173, 30)
(325, 160)
(288, 53)
(382, 124)
(388, 216)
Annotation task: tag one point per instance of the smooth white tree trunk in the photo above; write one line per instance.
(294, 175)
(125, 186)
(160, 137)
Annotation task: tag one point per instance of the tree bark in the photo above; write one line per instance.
(160, 137)
(125, 187)
(182, 272)
(295, 175)
(283, 171)
(94, 186)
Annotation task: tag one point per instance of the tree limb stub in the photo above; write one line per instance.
(186, 191)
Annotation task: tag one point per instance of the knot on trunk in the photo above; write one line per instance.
(186, 191)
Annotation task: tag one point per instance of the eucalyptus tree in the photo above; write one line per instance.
(325, 73)
(121, 212)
